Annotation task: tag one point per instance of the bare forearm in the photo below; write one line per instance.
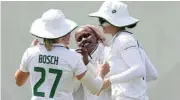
(21, 77)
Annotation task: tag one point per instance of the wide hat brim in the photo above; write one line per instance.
(115, 20)
(39, 29)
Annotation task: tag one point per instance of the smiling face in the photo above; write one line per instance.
(86, 37)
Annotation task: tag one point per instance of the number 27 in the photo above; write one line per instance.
(42, 79)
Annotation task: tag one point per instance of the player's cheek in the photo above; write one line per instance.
(79, 44)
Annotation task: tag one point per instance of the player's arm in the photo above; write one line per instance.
(34, 42)
(90, 67)
(21, 77)
(151, 72)
(130, 54)
(94, 84)
(22, 73)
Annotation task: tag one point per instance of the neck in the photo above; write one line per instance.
(91, 50)
(117, 29)
(59, 44)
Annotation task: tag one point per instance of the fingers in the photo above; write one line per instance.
(34, 42)
(81, 50)
(104, 68)
(106, 85)
(106, 64)
(78, 50)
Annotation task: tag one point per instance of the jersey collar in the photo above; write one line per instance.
(56, 45)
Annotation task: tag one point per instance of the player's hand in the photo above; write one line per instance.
(107, 84)
(104, 68)
(34, 42)
(84, 53)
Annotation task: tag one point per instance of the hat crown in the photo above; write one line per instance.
(53, 14)
(52, 24)
(114, 8)
(116, 13)
(52, 19)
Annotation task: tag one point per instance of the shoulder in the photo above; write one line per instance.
(28, 55)
(101, 46)
(71, 55)
(125, 38)
(31, 50)
(72, 58)
(73, 52)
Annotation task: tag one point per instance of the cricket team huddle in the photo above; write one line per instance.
(97, 69)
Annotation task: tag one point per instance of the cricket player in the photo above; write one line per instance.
(50, 66)
(128, 69)
(91, 40)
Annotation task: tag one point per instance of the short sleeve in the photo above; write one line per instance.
(80, 68)
(24, 62)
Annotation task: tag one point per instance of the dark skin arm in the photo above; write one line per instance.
(21, 77)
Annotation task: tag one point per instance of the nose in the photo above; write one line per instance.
(83, 39)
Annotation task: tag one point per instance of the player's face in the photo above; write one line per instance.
(107, 27)
(85, 37)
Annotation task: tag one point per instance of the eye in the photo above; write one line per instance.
(86, 35)
(79, 39)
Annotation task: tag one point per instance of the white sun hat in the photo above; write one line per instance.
(52, 24)
(116, 13)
